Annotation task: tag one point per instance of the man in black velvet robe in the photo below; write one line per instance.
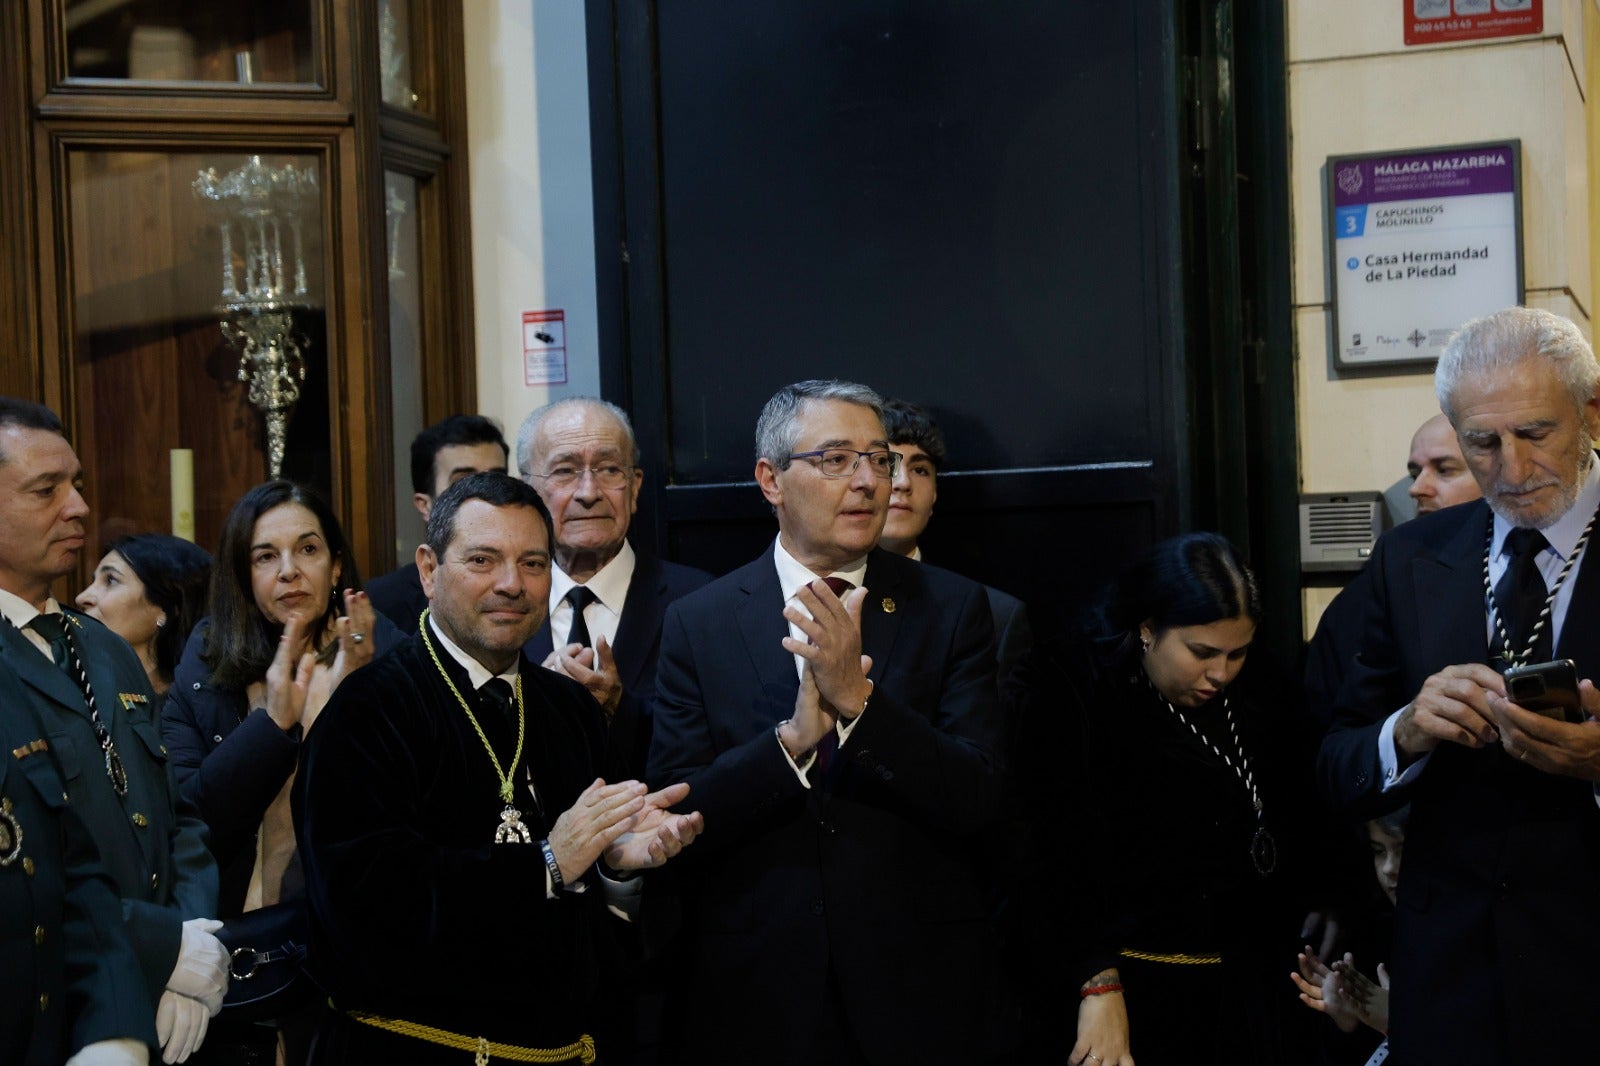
(434, 930)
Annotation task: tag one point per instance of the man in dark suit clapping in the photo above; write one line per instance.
(606, 600)
(832, 706)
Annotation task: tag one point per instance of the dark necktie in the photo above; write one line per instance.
(497, 696)
(1520, 597)
(55, 629)
(828, 746)
(580, 596)
(499, 699)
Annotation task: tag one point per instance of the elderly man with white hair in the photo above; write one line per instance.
(1496, 924)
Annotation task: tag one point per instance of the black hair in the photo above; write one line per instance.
(1188, 580)
(1395, 822)
(457, 429)
(492, 487)
(242, 641)
(907, 423)
(26, 414)
(174, 573)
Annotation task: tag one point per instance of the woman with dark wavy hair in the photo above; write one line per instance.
(1179, 759)
(150, 590)
(284, 577)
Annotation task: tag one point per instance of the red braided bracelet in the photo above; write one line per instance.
(1099, 990)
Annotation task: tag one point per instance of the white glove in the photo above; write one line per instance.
(112, 1053)
(202, 969)
(180, 1026)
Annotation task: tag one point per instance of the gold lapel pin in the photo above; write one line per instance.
(888, 605)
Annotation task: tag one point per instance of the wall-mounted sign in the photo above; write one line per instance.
(544, 347)
(1418, 243)
(1444, 21)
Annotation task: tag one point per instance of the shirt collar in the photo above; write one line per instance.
(916, 554)
(609, 583)
(477, 674)
(1562, 534)
(19, 612)
(791, 574)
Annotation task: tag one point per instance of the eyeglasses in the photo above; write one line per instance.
(607, 476)
(842, 462)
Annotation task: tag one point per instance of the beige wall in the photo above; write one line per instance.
(532, 195)
(1355, 87)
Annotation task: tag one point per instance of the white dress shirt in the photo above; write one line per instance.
(19, 612)
(610, 587)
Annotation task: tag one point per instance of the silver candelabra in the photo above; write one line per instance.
(262, 204)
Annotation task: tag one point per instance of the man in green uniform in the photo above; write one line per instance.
(92, 703)
(71, 984)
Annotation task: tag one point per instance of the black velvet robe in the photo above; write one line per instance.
(1157, 856)
(415, 913)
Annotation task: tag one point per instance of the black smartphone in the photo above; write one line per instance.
(1549, 688)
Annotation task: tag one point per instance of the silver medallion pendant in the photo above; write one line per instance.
(10, 836)
(1264, 852)
(511, 830)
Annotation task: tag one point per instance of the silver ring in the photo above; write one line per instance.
(358, 637)
(1095, 1057)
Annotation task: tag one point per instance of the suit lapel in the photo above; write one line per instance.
(880, 612)
(762, 627)
(38, 672)
(634, 637)
(1580, 630)
(539, 646)
(103, 678)
(1450, 586)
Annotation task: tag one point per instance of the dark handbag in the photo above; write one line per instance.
(267, 952)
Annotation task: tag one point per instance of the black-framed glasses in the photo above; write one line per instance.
(842, 462)
(606, 475)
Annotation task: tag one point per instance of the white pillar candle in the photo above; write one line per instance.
(182, 478)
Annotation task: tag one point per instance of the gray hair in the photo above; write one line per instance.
(1500, 341)
(775, 432)
(530, 427)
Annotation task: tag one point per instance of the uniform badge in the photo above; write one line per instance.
(130, 700)
(888, 605)
(10, 836)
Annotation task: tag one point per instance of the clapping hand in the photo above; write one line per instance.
(1311, 980)
(1354, 991)
(655, 834)
(594, 668)
(833, 650)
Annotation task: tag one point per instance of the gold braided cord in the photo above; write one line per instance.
(506, 790)
(1176, 959)
(581, 1049)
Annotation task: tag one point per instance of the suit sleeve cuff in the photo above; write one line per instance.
(1389, 757)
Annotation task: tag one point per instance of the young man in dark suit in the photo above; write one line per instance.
(845, 754)
(1496, 918)
(441, 455)
(606, 600)
(91, 698)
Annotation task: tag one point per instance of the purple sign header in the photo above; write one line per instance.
(1488, 168)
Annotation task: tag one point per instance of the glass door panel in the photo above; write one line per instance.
(240, 41)
(180, 265)
(405, 351)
